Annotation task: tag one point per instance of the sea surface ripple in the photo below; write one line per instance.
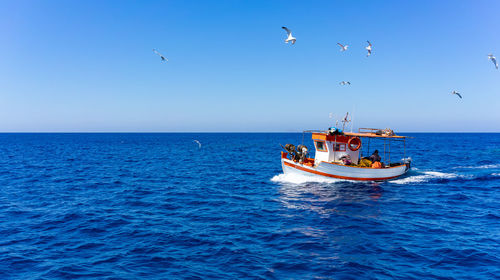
(155, 206)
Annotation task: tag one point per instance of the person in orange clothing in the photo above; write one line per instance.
(377, 164)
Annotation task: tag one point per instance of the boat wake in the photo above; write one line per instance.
(485, 166)
(414, 176)
(299, 179)
(424, 176)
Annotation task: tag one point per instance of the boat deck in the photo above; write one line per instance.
(310, 162)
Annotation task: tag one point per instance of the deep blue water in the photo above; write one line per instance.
(154, 206)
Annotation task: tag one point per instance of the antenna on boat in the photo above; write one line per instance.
(352, 122)
(345, 120)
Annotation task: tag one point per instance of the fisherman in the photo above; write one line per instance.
(375, 157)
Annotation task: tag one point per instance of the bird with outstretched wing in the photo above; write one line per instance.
(493, 59)
(342, 47)
(369, 48)
(289, 38)
(163, 59)
(457, 93)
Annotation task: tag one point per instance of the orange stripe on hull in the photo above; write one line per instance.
(337, 176)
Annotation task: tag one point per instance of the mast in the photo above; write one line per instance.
(352, 122)
(346, 120)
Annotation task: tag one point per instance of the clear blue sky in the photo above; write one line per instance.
(89, 66)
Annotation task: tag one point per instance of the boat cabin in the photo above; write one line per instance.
(332, 145)
(331, 148)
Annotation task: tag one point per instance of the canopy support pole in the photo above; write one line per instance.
(368, 147)
(404, 148)
(389, 152)
(385, 141)
(334, 146)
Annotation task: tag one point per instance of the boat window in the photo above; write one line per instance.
(320, 146)
(340, 147)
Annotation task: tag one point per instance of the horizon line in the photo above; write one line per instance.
(137, 132)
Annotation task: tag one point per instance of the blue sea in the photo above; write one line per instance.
(156, 206)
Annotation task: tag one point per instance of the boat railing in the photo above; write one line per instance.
(314, 131)
(365, 130)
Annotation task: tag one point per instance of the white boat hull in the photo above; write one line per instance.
(332, 170)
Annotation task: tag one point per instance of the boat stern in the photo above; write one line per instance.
(407, 162)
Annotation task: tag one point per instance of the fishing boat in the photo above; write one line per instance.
(339, 155)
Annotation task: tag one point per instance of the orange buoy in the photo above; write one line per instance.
(354, 144)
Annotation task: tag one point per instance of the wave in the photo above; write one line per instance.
(301, 179)
(485, 166)
(421, 176)
(495, 174)
(424, 177)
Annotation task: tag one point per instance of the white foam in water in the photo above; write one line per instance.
(495, 174)
(301, 179)
(486, 166)
(424, 177)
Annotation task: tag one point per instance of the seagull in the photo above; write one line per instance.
(163, 59)
(493, 59)
(343, 48)
(369, 48)
(290, 37)
(199, 144)
(343, 83)
(456, 92)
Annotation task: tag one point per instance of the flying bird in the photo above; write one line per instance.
(163, 59)
(369, 48)
(343, 48)
(290, 38)
(493, 59)
(457, 93)
(343, 83)
(199, 144)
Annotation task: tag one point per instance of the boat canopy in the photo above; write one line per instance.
(373, 135)
(366, 132)
(335, 136)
